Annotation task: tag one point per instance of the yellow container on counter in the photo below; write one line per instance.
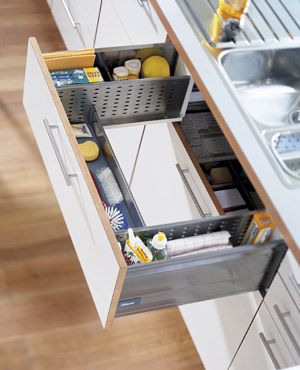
(232, 8)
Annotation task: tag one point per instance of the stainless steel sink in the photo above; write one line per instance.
(266, 83)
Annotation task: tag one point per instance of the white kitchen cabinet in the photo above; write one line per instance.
(110, 30)
(77, 21)
(218, 327)
(127, 152)
(286, 315)
(140, 21)
(128, 22)
(263, 347)
(156, 174)
(290, 274)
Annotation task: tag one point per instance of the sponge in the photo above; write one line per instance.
(155, 66)
(89, 150)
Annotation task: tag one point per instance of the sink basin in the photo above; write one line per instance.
(267, 83)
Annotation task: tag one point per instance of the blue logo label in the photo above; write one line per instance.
(123, 303)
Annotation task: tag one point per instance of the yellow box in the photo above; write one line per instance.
(260, 229)
(93, 74)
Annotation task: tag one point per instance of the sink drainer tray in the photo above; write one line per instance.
(286, 148)
(264, 22)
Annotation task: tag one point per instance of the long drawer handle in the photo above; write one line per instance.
(282, 318)
(267, 345)
(190, 191)
(64, 170)
(74, 24)
(295, 283)
(141, 2)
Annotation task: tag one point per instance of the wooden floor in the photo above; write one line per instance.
(47, 317)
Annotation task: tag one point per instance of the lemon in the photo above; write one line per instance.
(155, 66)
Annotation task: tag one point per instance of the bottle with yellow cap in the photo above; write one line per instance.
(158, 246)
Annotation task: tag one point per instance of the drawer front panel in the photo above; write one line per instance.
(140, 21)
(93, 239)
(290, 274)
(263, 347)
(199, 277)
(286, 315)
(67, 24)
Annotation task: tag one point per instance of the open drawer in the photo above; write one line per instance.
(115, 288)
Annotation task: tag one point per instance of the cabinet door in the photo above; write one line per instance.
(263, 347)
(218, 326)
(77, 21)
(156, 174)
(67, 24)
(126, 151)
(140, 21)
(94, 241)
(290, 274)
(86, 15)
(286, 315)
(110, 31)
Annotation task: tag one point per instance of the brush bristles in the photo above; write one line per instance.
(110, 186)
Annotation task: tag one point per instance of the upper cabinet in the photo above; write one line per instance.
(107, 23)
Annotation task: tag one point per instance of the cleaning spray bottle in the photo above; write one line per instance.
(158, 246)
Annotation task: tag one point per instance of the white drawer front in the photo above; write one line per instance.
(290, 274)
(91, 234)
(67, 24)
(140, 21)
(286, 315)
(223, 324)
(110, 31)
(86, 14)
(263, 347)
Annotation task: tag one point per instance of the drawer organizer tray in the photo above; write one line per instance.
(189, 279)
(118, 102)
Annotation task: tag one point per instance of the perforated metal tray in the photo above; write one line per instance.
(118, 102)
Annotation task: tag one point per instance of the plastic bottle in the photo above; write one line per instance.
(232, 8)
(158, 246)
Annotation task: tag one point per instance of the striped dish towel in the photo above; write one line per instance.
(194, 243)
(204, 250)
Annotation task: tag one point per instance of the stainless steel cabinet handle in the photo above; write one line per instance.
(282, 317)
(141, 2)
(295, 283)
(67, 175)
(189, 189)
(74, 24)
(267, 345)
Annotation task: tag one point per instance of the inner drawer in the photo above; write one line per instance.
(144, 99)
(179, 280)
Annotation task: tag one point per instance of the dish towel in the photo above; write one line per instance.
(195, 243)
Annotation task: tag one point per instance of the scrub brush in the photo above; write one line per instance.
(109, 186)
